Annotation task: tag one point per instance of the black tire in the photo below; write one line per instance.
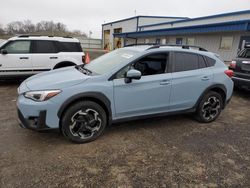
(81, 119)
(209, 107)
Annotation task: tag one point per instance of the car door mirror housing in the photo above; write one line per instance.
(132, 74)
(4, 52)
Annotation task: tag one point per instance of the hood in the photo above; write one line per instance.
(56, 79)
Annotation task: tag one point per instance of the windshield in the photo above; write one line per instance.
(245, 53)
(109, 61)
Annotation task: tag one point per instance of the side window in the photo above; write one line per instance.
(202, 62)
(152, 64)
(18, 47)
(70, 47)
(43, 46)
(185, 62)
(210, 61)
(247, 55)
(122, 72)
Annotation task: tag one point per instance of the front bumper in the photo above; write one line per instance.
(37, 115)
(33, 123)
(241, 82)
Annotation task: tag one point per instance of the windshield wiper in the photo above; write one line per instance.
(83, 70)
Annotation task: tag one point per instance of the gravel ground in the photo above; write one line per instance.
(173, 151)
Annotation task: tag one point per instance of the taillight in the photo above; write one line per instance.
(83, 59)
(232, 65)
(229, 73)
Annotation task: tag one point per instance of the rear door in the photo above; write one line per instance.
(45, 55)
(190, 77)
(18, 57)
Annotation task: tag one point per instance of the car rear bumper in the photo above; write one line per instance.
(241, 82)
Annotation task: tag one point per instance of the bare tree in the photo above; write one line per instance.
(2, 31)
(42, 27)
(16, 27)
(78, 33)
(60, 27)
(28, 26)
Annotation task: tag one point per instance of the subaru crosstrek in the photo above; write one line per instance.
(126, 84)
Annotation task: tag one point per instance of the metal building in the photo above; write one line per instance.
(224, 34)
(110, 41)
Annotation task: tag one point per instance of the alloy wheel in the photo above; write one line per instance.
(211, 108)
(85, 123)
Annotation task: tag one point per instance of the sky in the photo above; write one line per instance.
(90, 15)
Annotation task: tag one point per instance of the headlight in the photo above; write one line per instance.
(40, 96)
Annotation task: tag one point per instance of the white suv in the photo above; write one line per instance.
(27, 55)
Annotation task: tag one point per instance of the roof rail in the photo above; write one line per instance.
(154, 46)
(27, 35)
(140, 44)
(67, 37)
(177, 45)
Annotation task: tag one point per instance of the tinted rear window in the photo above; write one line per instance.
(45, 47)
(70, 47)
(185, 62)
(244, 53)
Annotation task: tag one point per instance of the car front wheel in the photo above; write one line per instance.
(83, 122)
(209, 107)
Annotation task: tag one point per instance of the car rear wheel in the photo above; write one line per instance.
(209, 107)
(84, 122)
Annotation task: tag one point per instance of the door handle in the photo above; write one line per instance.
(165, 82)
(205, 78)
(53, 57)
(23, 57)
(0, 65)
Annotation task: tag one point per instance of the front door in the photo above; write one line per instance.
(18, 57)
(150, 94)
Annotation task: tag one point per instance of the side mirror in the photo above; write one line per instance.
(4, 52)
(132, 74)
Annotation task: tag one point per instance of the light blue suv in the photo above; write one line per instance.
(129, 83)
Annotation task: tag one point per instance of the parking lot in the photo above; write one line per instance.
(172, 151)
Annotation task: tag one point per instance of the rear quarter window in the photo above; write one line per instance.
(210, 61)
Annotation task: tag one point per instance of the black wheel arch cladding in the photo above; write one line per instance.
(97, 97)
(219, 88)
